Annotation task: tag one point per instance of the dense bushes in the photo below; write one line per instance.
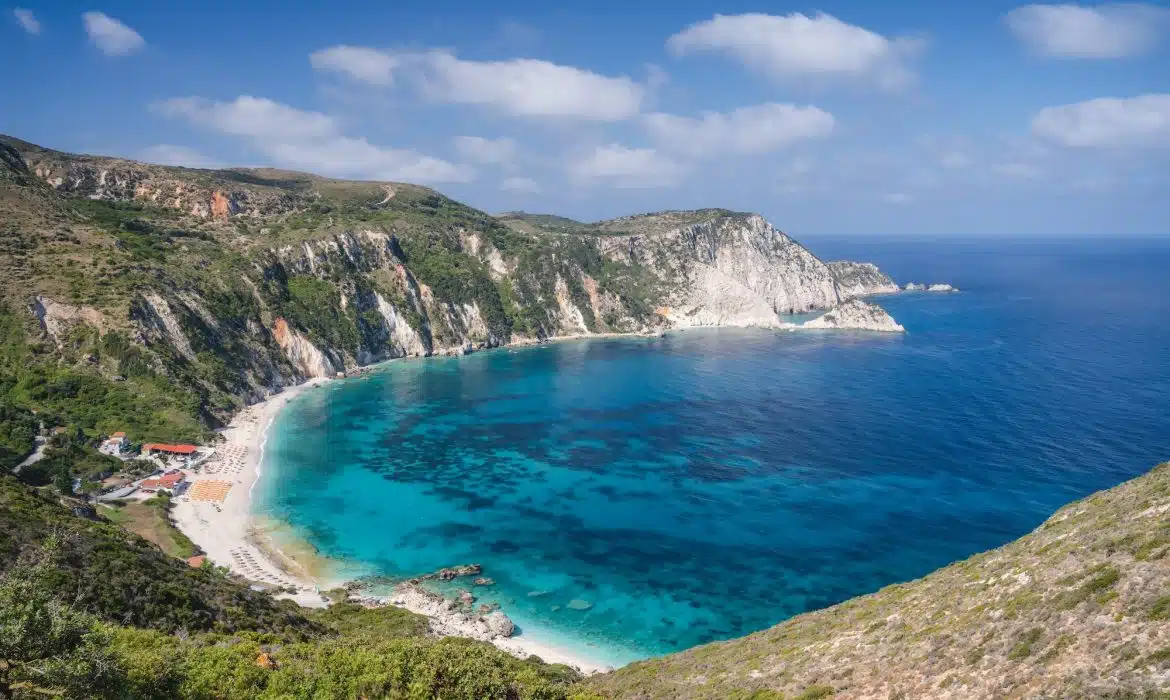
(175, 632)
(18, 428)
(147, 407)
(106, 571)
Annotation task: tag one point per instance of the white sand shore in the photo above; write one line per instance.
(223, 530)
(231, 537)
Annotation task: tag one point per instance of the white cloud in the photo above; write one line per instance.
(1076, 31)
(1018, 171)
(624, 167)
(110, 35)
(797, 45)
(485, 151)
(756, 129)
(358, 62)
(250, 116)
(896, 198)
(166, 154)
(27, 20)
(520, 184)
(1108, 122)
(357, 158)
(530, 88)
(521, 87)
(310, 140)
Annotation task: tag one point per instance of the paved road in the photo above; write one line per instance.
(37, 455)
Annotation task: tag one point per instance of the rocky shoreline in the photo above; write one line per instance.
(458, 616)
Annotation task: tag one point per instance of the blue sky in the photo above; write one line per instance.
(846, 117)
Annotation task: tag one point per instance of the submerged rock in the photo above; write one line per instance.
(465, 597)
(483, 581)
(856, 314)
(455, 572)
(578, 604)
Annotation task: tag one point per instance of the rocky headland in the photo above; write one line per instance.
(855, 314)
(232, 284)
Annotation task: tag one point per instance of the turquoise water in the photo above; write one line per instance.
(711, 483)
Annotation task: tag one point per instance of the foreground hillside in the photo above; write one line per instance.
(1080, 608)
(90, 611)
(169, 297)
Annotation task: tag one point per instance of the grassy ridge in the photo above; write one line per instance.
(1076, 609)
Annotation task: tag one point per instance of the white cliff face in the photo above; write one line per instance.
(306, 357)
(165, 321)
(730, 270)
(860, 279)
(572, 320)
(855, 314)
(720, 300)
(404, 341)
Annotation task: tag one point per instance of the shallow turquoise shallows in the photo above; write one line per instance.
(632, 497)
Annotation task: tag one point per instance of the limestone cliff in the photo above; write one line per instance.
(860, 279)
(237, 282)
(857, 315)
(723, 268)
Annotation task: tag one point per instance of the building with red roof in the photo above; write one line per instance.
(168, 482)
(184, 450)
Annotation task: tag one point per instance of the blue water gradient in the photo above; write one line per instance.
(711, 483)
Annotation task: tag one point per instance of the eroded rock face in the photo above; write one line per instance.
(303, 355)
(733, 270)
(56, 318)
(856, 314)
(860, 279)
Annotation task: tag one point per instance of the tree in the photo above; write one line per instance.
(47, 648)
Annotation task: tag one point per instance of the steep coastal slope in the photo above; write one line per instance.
(1079, 608)
(207, 289)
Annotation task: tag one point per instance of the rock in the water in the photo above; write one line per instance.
(578, 604)
(484, 581)
(499, 624)
(856, 314)
(457, 571)
(465, 597)
(915, 287)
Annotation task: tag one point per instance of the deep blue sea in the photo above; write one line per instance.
(715, 482)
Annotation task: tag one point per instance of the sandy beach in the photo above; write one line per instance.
(232, 537)
(224, 530)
